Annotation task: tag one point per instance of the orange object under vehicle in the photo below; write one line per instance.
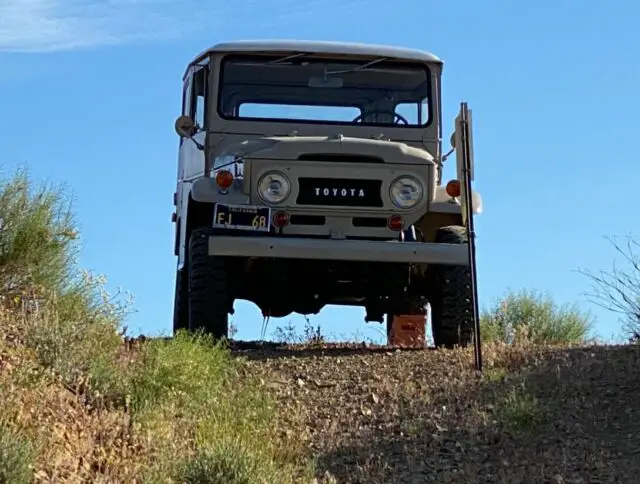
(408, 331)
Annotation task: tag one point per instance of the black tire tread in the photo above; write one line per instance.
(180, 302)
(451, 299)
(208, 288)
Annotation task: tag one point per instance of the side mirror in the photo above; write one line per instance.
(185, 126)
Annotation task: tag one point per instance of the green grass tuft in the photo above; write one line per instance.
(17, 456)
(520, 412)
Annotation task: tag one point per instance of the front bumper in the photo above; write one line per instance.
(347, 250)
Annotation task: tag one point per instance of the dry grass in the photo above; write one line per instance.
(80, 406)
(164, 411)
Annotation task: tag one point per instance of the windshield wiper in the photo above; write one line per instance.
(289, 57)
(344, 71)
(359, 68)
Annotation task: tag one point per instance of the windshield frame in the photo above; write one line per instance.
(428, 113)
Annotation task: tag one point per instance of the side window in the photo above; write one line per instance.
(198, 107)
(186, 96)
(416, 114)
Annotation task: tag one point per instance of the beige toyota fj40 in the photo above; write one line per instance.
(310, 173)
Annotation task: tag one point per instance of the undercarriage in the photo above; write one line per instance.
(282, 286)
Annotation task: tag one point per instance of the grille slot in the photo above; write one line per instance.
(307, 220)
(340, 158)
(371, 222)
(337, 192)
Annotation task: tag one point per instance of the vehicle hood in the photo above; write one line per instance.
(301, 147)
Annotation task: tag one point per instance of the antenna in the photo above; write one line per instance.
(471, 234)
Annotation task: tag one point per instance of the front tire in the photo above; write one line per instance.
(180, 302)
(208, 288)
(451, 297)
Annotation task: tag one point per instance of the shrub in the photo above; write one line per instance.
(78, 338)
(65, 315)
(618, 290)
(37, 237)
(17, 456)
(536, 317)
(181, 408)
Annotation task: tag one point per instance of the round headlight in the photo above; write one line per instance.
(274, 187)
(406, 192)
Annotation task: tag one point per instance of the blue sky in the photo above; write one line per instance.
(89, 91)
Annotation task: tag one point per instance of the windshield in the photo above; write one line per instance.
(303, 88)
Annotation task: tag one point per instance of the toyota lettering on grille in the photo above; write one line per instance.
(340, 192)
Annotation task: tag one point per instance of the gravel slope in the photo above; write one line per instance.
(536, 415)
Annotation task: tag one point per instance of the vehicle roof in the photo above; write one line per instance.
(317, 46)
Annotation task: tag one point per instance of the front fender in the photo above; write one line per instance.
(444, 204)
(205, 190)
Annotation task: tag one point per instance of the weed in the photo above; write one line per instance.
(495, 375)
(519, 411)
(311, 335)
(229, 460)
(189, 370)
(17, 456)
(286, 334)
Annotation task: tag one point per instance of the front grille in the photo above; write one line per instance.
(338, 192)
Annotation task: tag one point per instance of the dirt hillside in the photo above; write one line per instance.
(362, 414)
(536, 415)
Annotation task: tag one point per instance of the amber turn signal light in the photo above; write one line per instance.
(453, 188)
(224, 179)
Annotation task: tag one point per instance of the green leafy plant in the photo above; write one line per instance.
(17, 456)
(536, 317)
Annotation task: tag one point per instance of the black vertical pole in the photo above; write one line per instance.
(471, 234)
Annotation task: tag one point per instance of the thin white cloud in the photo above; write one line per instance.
(51, 25)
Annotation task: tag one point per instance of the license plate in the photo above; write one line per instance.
(242, 217)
